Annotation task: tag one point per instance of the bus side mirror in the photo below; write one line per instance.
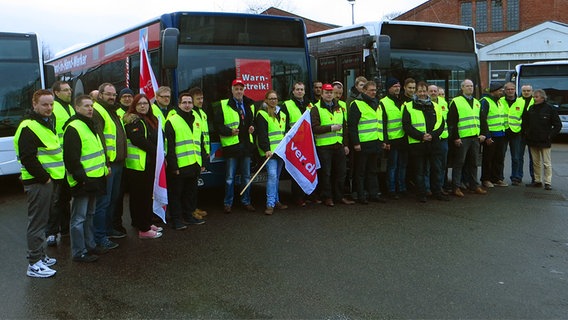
(169, 44)
(49, 74)
(384, 52)
(511, 76)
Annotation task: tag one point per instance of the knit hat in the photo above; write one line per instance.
(391, 82)
(495, 85)
(125, 91)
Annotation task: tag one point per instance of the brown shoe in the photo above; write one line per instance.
(280, 206)
(269, 211)
(479, 190)
(347, 201)
(458, 193)
(227, 209)
(200, 212)
(249, 207)
(329, 203)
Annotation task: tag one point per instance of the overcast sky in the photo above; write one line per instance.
(64, 23)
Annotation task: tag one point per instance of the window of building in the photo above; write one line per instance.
(496, 15)
(481, 16)
(498, 69)
(512, 15)
(466, 14)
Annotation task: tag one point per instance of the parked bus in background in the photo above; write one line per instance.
(21, 74)
(439, 54)
(550, 76)
(198, 49)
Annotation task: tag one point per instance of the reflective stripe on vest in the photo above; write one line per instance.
(394, 119)
(328, 119)
(157, 112)
(92, 152)
(204, 126)
(50, 156)
(187, 141)
(109, 131)
(231, 119)
(136, 157)
(370, 124)
(468, 121)
(61, 116)
(515, 115)
(495, 115)
(276, 129)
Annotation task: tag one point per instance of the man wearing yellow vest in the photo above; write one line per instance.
(424, 124)
(186, 150)
(441, 107)
(60, 211)
(467, 130)
(293, 108)
(495, 145)
(516, 139)
(234, 122)
(365, 123)
(39, 152)
(396, 143)
(110, 127)
(85, 161)
(125, 98)
(329, 128)
(161, 107)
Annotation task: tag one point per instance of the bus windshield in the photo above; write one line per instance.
(551, 78)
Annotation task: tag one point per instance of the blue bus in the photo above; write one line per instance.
(203, 49)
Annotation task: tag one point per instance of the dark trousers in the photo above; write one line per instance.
(493, 160)
(366, 175)
(465, 161)
(332, 160)
(119, 209)
(182, 195)
(141, 191)
(60, 211)
(427, 162)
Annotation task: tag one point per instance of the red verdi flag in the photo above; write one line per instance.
(148, 83)
(160, 195)
(298, 151)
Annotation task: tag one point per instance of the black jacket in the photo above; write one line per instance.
(28, 144)
(244, 148)
(72, 145)
(134, 126)
(540, 124)
(429, 112)
(171, 157)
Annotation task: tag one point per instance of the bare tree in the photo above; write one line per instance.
(258, 6)
(392, 15)
(46, 51)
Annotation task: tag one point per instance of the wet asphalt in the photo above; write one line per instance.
(499, 256)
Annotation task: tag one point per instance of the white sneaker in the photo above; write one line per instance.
(40, 270)
(51, 241)
(501, 183)
(49, 261)
(488, 184)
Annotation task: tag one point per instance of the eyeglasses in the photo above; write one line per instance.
(142, 104)
(272, 99)
(110, 94)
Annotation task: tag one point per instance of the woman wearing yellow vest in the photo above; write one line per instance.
(87, 166)
(270, 126)
(186, 150)
(423, 125)
(142, 132)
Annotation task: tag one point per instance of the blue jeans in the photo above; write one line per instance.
(81, 224)
(517, 146)
(107, 202)
(273, 168)
(396, 169)
(243, 163)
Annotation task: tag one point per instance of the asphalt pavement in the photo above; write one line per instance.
(503, 255)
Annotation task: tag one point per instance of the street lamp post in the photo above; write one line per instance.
(352, 2)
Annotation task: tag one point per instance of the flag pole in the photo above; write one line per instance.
(254, 176)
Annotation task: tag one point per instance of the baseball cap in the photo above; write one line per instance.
(327, 87)
(238, 82)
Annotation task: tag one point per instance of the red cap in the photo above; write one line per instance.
(327, 87)
(238, 82)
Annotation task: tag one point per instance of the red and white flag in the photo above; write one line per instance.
(160, 202)
(298, 150)
(148, 83)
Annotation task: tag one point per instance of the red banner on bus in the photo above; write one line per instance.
(256, 76)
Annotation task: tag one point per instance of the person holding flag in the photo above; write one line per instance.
(142, 127)
(185, 159)
(329, 124)
(270, 126)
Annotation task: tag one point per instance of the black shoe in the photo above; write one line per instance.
(86, 258)
(422, 199)
(178, 225)
(547, 187)
(394, 196)
(534, 184)
(379, 199)
(442, 197)
(363, 201)
(116, 234)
